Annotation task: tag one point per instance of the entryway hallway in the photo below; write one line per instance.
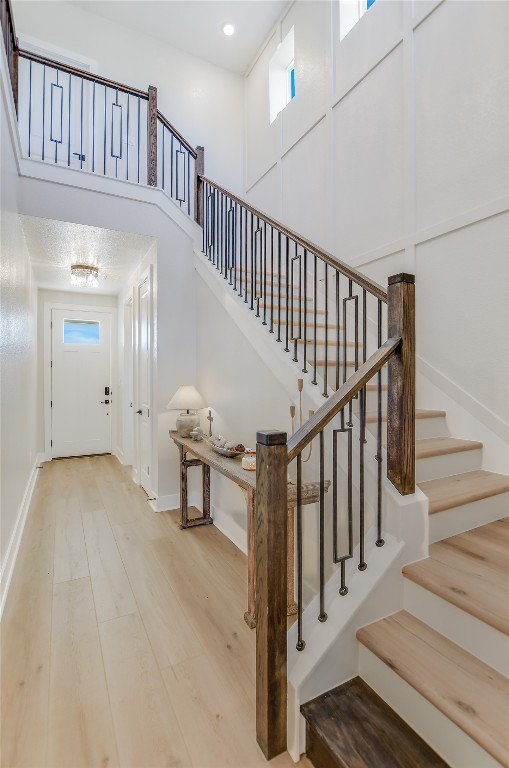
(123, 639)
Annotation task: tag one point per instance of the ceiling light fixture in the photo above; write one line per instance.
(84, 276)
(228, 29)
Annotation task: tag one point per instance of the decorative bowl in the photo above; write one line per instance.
(227, 452)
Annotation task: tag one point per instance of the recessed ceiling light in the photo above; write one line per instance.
(228, 29)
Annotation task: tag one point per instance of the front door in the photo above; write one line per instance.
(80, 382)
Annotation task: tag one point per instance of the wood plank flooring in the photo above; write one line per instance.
(123, 641)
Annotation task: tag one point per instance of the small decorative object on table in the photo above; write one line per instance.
(226, 447)
(197, 434)
(249, 460)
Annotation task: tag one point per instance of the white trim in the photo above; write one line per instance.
(17, 533)
(63, 55)
(464, 399)
(48, 307)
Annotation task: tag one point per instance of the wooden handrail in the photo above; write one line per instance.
(83, 74)
(374, 288)
(341, 397)
(177, 135)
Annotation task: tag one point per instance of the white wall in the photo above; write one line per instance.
(203, 102)
(17, 354)
(394, 156)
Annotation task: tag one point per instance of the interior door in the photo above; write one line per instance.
(144, 348)
(80, 382)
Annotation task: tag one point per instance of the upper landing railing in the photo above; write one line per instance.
(10, 45)
(70, 117)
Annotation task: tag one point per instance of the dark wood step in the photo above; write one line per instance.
(352, 727)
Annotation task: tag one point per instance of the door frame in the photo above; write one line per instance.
(146, 274)
(48, 307)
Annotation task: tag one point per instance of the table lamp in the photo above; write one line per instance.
(187, 400)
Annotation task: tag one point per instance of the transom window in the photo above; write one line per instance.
(82, 331)
(282, 86)
(350, 11)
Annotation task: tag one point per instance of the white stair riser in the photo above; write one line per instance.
(424, 428)
(467, 516)
(451, 743)
(475, 636)
(448, 464)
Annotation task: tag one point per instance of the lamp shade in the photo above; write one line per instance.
(186, 398)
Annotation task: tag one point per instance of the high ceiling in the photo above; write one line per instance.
(55, 245)
(195, 26)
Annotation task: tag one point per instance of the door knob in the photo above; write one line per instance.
(139, 412)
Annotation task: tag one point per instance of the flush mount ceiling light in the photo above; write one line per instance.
(228, 29)
(84, 275)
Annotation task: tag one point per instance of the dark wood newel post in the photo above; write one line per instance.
(401, 380)
(271, 591)
(199, 171)
(152, 136)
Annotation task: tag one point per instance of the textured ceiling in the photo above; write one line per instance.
(55, 245)
(195, 26)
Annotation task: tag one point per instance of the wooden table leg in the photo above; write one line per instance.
(205, 518)
(250, 614)
(291, 604)
(183, 488)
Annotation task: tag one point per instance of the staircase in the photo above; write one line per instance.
(442, 663)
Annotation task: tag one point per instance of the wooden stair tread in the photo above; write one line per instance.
(442, 446)
(467, 691)
(420, 413)
(360, 729)
(472, 580)
(456, 490)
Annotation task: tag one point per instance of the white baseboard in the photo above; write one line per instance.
(164, 503)
(15, 540)
(119, 454)
(230, 528)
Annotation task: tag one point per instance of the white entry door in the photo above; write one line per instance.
(80, 382)
(144, 355)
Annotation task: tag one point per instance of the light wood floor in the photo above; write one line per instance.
(123, 639)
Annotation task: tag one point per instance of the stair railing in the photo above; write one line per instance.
(71, 117)
(274, 456)
(326, 314)
(10, 45)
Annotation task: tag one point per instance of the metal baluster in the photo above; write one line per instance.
(81, 127)
(188, 182)
(300, 642)
(30, 109)
(314, 316)
(304, 352)
(271, 280)
(326, 323)
(162, 174)
(245, 258)
(43, 105)
(139, 126)
(264, 322)
(287, 348)
(362, 397)
(221, 247)
(322, 616)
(379, 542)
(93, 129)
(235, 248)
(127, 141)
(258, 276)
(171, 164)
(279, 286)
(253, 265)
(240, 250)
(51, 121)
(338, 300)
(105, 94)
(364, 327)
(69, 128)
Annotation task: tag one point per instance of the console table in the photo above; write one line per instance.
(205, 457)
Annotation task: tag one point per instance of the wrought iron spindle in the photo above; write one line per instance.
(287, 267)
(305, 308)
(315, 293)
(300, 642)
(272, 286)
(379, 541)
(43, 108)
(362, 413)
(264, 322)
(279, 286)
(322, 615)
(240, 251)
(296, 336)
(326, 329)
